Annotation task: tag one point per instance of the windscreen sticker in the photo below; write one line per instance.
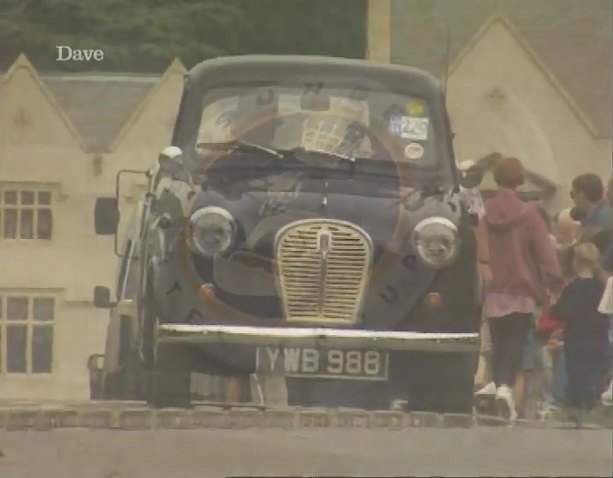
(413, 128)
(415, 108)
(414, 151)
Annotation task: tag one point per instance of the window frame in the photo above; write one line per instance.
(19, 207)
(30, 323)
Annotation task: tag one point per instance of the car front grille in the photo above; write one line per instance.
(323, 268)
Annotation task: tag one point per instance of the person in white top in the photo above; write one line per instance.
(472, 196)
(606, 307)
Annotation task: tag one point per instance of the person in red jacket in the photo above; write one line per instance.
(524, 273)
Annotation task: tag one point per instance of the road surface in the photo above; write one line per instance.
(79, 453)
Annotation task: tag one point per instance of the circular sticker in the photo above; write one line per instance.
(414, 151)
(414, 108)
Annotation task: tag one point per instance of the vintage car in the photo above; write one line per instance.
(307, 223)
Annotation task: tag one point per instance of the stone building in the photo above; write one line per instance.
(62, 140)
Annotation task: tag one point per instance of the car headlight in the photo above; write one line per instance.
(436, 241)
(212, 230)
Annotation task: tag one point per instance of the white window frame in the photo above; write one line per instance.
(30, 323)
(35, 207)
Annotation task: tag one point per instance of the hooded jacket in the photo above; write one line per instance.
(522, 259)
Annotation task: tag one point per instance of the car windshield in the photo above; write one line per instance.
(370, 124)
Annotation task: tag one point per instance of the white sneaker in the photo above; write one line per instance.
(489, 389)
(504, 396)
(607, 396)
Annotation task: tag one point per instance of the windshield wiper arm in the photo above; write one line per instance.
(240, 145)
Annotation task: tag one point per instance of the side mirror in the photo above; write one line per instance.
(471, 178)
(102, 298)
(106, 216)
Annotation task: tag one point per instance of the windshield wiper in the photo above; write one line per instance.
(316, 152)
(240, 145)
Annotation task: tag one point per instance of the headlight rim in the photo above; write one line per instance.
(442, 221)
(198, 214)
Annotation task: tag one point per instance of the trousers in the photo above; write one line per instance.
(586, 366)
(508, 335)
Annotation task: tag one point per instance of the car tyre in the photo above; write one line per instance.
(170, 377)
(443, 383)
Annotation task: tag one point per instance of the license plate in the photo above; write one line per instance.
(323, 363)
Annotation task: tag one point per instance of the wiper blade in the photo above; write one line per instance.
(316, 152)
(240, 145)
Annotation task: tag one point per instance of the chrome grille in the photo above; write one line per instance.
(323, 268)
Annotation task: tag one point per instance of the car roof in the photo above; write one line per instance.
(262, 67)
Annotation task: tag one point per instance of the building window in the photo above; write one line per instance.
(25, 213)
(26, 333)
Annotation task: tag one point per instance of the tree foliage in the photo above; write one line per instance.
(144, 35)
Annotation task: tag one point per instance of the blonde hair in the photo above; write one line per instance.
(587, 255)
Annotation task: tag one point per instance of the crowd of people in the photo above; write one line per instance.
(548, 294)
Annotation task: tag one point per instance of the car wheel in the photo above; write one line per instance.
(458, 390)
(134, 378)
(170, 377)
(442, 383)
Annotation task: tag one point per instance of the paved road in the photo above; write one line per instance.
(359, 452)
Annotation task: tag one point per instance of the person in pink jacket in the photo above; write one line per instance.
(524, 273)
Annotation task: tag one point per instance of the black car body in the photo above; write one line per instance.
(306, 222)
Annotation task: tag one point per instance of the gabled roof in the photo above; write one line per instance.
(95, 106)
(175, 67)
(23, 63)
(99, 103)
(503, 20)
(573, 39)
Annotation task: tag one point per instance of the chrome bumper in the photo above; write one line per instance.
(318, 337)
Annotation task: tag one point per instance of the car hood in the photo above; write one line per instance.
(385, 211)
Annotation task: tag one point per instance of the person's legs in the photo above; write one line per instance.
(528, 358)
(519, 389)
(575, 373)
(515, 331)
(484, 378)
(508, 336)
(560, 379)
(497, 337)
(595, 364)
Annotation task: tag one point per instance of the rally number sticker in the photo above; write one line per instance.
(413, 128)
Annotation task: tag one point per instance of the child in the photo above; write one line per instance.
(585, 331)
